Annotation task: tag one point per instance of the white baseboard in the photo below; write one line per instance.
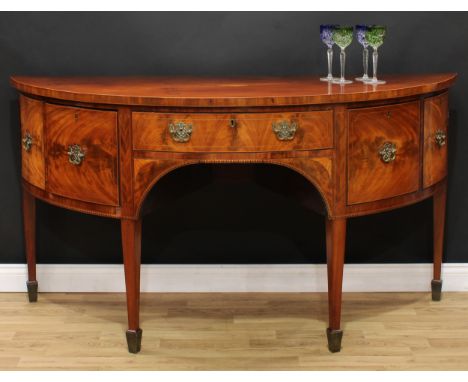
(234, 278)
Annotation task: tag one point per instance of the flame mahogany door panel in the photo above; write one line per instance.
(94, 134)
(372, 176)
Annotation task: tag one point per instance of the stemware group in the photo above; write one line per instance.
(342, 36)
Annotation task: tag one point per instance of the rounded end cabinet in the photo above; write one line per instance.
(98, 146)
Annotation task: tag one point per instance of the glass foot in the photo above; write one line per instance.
(342, 81)
(375, 82)
(327, 79)
(362, 79)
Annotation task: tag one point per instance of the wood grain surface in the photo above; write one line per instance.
(96, 178)
(436, 113)
(246, 133)
(369, 178)
(225, 91)
(234, 331)
(32, 123)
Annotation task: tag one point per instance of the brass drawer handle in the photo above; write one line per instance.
(285, 130)
(27, 141)
(180, 131)
(388, 152)
(440, 138)
(75, 155)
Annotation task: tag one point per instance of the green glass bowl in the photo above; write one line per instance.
(375, 35)
(343, 36)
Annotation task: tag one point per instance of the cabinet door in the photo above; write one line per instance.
(32, 145)
(383, 152)
(82, 154)
(436, 113)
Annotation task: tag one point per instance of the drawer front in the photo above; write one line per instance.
(436, 114)
(240, 132)
(82, 154)
(383, 152)
(32, 141)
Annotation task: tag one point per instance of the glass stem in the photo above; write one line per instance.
(365, 61)
(330, 63)
(375, 59)
(342, 63)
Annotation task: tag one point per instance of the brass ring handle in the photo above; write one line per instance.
(388, 152)
(180, 131)
(75, 154)
(440, 138)
(27, 141)
(285, 130)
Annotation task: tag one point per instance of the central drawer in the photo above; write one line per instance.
(232, 132)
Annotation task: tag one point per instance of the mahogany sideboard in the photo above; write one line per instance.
(99, 145)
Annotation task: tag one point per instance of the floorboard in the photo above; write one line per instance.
(234, 331)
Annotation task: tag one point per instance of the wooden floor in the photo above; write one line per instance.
(220, 331)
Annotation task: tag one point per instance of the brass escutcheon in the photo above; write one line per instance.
(440, 138)
(388, 152)
(180, 131)
(75, 154)
(27, 141)
(284, 130)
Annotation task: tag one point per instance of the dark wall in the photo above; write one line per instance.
(244, 217)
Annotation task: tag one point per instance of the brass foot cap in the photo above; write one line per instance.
(334, 337)
(436, 286)
(134, 340)
(32, 290)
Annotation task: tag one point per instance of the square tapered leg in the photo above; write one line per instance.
(336, 238)
(29, 226)
(131, 246)
(439, 202)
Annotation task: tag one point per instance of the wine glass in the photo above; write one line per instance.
(375, 37)
(342, 36)
(361, 32)
(326, 34)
